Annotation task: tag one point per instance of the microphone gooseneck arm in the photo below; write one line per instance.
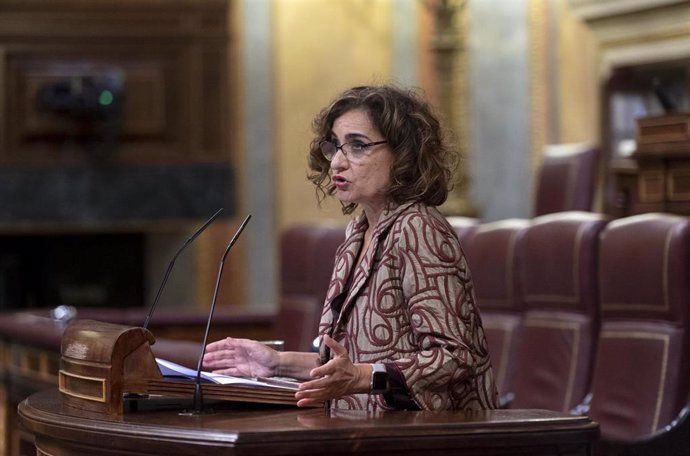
(172, 263)
(198, 393)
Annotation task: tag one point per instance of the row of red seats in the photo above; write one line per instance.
(588, 315)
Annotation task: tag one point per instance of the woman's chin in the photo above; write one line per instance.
(343, 196)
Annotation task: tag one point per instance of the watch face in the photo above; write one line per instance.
(379, 379)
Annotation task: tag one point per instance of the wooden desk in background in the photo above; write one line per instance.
(245, 429)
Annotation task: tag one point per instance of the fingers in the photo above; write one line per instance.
(321, 371)
(309, 402)
(335, 379)
(232, 372)
(318, 383)
(220, 355)
(315, 392)
(340, 362)
(213, 361)
(222, 363)
(337, 348)
(220, 344)
(310, 397)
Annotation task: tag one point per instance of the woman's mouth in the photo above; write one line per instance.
(339, 182)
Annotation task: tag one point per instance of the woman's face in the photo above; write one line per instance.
(365, 179)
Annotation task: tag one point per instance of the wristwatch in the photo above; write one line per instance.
(379, 379)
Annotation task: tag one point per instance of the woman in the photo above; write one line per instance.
(400, 328)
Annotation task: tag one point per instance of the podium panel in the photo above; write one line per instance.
(265, 430)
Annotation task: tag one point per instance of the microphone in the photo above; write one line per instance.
(198, 393)
(172, 263)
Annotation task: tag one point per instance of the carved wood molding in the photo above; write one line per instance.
(590, 10)
(636, 31)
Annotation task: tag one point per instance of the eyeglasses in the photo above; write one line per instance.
(355, 150)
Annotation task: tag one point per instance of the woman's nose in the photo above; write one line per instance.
(339, 160)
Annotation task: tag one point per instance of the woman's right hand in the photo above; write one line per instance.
(241, 358)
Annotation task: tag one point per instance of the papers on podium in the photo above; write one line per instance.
(170, 369)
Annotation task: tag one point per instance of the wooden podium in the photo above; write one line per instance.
(102, 363)
(243, 429)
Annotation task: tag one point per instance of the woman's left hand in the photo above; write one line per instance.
(337, 378)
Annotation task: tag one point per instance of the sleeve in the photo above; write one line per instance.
(445, 326)
(398, 396)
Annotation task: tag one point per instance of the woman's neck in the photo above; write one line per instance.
(373, 215)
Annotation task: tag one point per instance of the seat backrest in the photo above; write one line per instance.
(490, 250)
(641, 378)
(307, 259)
(297, 244)
(566, 179)
(328, 240)
(297, 321)
(558, 282)
(463, 226)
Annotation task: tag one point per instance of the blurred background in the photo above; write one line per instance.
(124, 124)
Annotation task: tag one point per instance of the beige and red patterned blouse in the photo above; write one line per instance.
(410, 305)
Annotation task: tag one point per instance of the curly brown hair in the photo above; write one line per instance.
(423, 163)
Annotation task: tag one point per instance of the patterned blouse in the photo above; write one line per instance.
(410, 305)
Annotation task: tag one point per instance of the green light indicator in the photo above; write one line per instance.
(106, 98)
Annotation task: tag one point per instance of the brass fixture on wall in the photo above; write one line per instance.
(448, 47)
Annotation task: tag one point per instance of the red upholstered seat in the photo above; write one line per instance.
(463, 226)
(296, 253)
(329, 238)
(567, 179)
(490, 250)
(642, 376)
(558, 282)
(307, 258)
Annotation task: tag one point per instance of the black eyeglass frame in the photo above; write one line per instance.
(337, 147)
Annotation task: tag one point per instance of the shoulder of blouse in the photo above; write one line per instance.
(427, 220)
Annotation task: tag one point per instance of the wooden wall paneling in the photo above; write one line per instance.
(3, 98)
(164, 111)
(39, 135)
(679, 182)
(173, 59)
(215, 111)
(652, 185)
